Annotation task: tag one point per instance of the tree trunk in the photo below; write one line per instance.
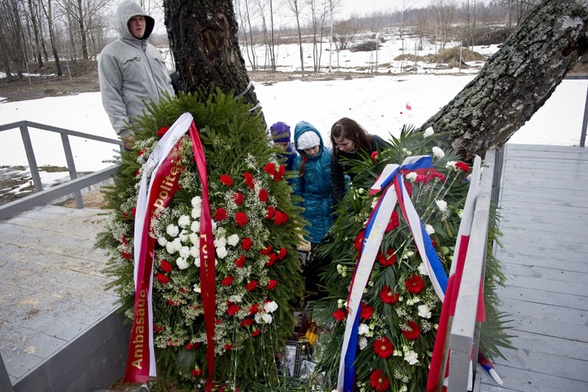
(204, 41)
(516, 81)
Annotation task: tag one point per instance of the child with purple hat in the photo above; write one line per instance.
(281, 134)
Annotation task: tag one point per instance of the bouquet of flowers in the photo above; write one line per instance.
(256, 228)
(399, 311)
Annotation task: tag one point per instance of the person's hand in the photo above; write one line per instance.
(128, 142)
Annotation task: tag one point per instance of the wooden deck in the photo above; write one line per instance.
(57, 330)
(544, 210)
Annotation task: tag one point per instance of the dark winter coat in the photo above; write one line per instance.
(339, 170)
(131, 71)
(315, 186)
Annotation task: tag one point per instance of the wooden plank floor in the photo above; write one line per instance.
(52, 287)
(544, 221)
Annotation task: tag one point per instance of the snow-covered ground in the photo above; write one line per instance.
(380, 103)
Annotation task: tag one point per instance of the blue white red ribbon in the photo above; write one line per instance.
(391, 183)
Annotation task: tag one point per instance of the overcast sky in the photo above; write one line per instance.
(361, 7)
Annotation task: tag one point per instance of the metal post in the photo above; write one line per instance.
(71, 166)
(584, 122)
(26, 140)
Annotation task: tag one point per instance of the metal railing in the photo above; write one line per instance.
(74, 186)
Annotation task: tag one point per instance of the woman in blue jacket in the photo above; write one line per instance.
(313, 183)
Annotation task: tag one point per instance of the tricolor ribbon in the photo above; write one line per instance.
(390, 182)
(159, 183)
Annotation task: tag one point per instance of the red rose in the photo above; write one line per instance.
(366, 312)
(270, 168)
(340, 314)
(233, 309)
(263, 195)
(166, 266)
(220, 214)
(251, 285)
(383, 347)
(462, 166)
(388, 296)
(240, 262)
(379, 381)
(387, 259)
(413, 331)
(163, 279)
(228, 181)
(238, 198)
(414, 284)
(246, 243)
(227, 281)
(162, 131)
(241, 218)
(249, 180)
(272, 284)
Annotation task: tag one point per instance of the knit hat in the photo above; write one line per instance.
(308, 140)
(280, 132)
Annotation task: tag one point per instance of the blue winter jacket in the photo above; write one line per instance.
(315, 186)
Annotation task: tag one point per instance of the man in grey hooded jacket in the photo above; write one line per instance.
(131, 71)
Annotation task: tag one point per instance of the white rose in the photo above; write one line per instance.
(438, 152)
(172, 230)
(184, 221)
(424, 311)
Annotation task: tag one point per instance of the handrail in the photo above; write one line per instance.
(74, 186)
(463, 340)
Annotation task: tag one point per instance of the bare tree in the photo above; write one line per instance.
(49, 17)
(517, 80)
(296, 7)
(33, 16)
(245, 17)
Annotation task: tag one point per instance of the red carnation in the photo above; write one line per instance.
(192, 346)
(126, 255)
(263, 195)
(256, 332)
(413, 331)
(241, 218)
(375, 156)
(246, 243)
(233, 309)
(196, 372)
(228, 181)
(272, 284)
(253, 309)
(240, 262)
(158, 328)
(340, 314)
(166, 266)
(266, 251)
(366, 312)
(379, 381)
(271, 211)
(163, 279)
(388, 296)
(238, 198)
(272, 260)
(246, 323)
(162, 131)
(436, 174)
(280, 174)
(462, 166)
(358, 244)
(220, 214)
(280, 218)
(270, 168)
(415, 284)
(248, 179)
(383, 347)
(251, 285)
(394, 222)
(282, 254)
(387, 259)
(227, 281)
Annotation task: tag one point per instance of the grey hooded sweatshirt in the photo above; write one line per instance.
(131, 71)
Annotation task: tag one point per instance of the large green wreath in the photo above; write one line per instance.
(256, 229)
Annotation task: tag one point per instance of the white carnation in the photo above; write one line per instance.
(194, 238)
(195, 226)
(195, 251)
(182, 263)
(197, 288)
(362, 343)
(411, 176)
(363, 329)
(429, 132)
(424, 311)
(220, 242)
(162, 241)
(170, 248)
(197, 202)
(172, 230)
(429, 229)
(411, 357)
(270, 307)
(221, 252)
(438, 152)
(184, 221)
(442, 205)
(422, 268)
(233, 240)
(184, 252)
(197, 261)
(195, 214)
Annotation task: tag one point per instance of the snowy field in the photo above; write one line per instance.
(380, 103)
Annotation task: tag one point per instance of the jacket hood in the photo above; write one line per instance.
(126, 10)
(303, 127)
